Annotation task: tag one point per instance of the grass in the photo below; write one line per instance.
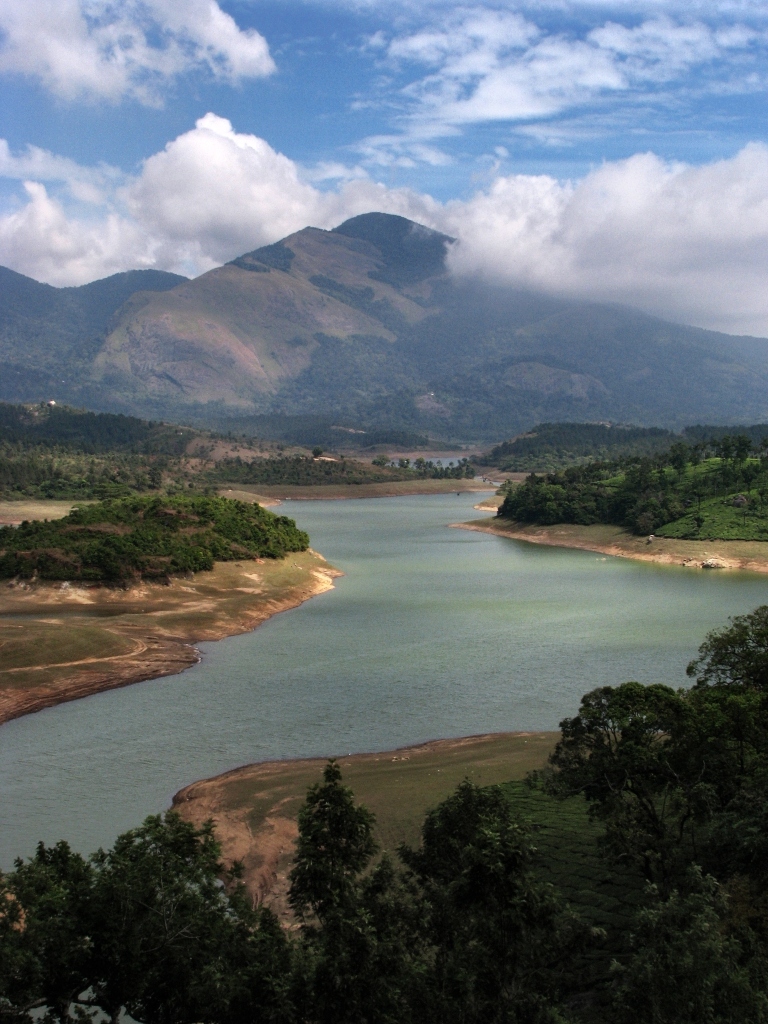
(399, 787)
(53, 643)
(12, 512)
(567, 840)
(721, 520)
(255, 810)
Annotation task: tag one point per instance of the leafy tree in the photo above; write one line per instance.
(616, 752)
(737, 655)
(360, 956)
(147, 928)
(685, 968)
(499, 934)
(45, 939)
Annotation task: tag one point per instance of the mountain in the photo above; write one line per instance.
(363, 325)
(49, 336)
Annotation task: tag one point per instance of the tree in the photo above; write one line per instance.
(498, 932)
(737, 655)
(147, 928)
(685, 968)
(359, 960)
(45, 940)
(679, 456)
(173, 927)
(616, 752)
(335, 845)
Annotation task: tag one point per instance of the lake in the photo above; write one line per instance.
(432, 632)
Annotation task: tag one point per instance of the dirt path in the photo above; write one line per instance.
(140, 647)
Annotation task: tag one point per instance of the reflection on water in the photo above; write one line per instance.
(432, 632)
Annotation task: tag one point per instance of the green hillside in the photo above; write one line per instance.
(555, 445)
(50, 336)
(363, 327)
(709, 491)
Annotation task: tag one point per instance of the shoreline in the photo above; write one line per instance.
(275, 493)
(733, 555)
(122, 637)
(255, 806)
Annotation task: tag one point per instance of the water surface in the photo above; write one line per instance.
(432, 632)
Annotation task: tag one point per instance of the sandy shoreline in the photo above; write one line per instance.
(61, 642)
(750, 556)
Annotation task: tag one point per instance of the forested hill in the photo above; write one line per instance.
(145, 537)
(45, 426)
(715, 490)
(366, 326)
(556, 445)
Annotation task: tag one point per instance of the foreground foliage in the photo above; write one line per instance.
(145, 537)
(464, 929)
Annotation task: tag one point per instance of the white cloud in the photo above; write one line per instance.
(114, 48)
(690, 243)
(478, 66)
(40, 239)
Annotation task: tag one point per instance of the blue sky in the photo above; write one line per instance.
(614, 150)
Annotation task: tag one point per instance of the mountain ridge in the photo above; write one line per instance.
(365, 324)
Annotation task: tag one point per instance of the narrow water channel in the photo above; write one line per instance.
(432, 632)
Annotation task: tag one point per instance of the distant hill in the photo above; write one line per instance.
(86, 432)
(555, 445)
(363, 327)
(550, 446)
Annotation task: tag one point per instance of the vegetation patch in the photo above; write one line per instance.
(145, 537)
(713, 490)
(552, 446)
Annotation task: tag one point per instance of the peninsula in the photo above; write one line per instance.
(120, 591)
(701, 505)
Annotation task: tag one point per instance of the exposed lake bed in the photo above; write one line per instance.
(431, 633)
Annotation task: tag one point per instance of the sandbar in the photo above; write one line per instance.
(61, 641)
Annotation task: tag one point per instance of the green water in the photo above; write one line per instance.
(432, 632)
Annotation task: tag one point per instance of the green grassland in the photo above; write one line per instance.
(721, 519)
(256, 805)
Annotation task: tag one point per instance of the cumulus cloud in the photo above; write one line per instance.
(686, 242)
(114, 48)
(690, 243)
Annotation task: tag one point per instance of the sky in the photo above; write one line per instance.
(611, 151)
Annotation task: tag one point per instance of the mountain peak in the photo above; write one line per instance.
(410, 251)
